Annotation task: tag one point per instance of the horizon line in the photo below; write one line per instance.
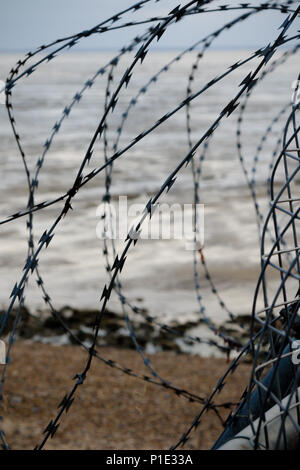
(114, 49)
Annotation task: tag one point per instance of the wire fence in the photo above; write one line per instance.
(274, 380)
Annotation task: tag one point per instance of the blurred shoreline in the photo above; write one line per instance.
(69, 326)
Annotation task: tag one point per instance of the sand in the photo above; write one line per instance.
(111, 410)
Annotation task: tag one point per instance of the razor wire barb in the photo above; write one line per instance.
(278, 339)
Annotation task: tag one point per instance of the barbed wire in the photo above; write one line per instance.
(278, 339)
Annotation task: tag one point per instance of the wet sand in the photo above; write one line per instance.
(111, 411)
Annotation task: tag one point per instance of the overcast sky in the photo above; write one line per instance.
(26, 24)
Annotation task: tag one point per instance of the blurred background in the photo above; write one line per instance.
(158, 274)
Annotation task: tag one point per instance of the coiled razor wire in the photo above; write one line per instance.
(268, 344)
